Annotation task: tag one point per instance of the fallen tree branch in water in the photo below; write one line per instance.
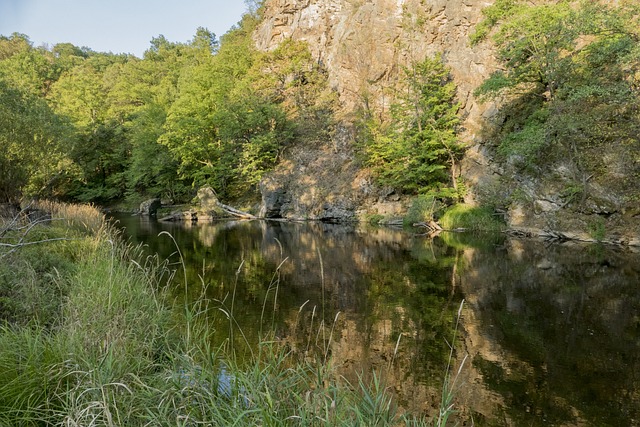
(432, 228)
(235, 212)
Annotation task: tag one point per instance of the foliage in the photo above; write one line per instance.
(532, 43)
(569, 78)
(423, 209)
(417, 152)
(151, 178)
(597, 229)
(33, 151)
(209, 111)
(470, 218)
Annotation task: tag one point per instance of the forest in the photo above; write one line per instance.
(84, 126)
(79, 125)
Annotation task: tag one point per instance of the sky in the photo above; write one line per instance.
(117, 26)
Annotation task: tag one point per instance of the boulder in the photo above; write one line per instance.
(274, 197)
(207, 199)
(150, 207)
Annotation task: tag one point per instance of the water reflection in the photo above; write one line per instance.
(555, 333)
(552, 330)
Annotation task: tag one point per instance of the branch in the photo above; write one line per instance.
(19, 245)
(16, 246)
(23, 230)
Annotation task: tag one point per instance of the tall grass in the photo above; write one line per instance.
(119, 352)
(471, 218)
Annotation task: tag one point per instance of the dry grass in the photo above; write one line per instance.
(81, 217)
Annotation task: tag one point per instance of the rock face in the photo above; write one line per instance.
(150, 207)
(364, 45)
(315, 183)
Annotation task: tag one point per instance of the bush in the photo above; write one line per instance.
(422, 209)
(471, 218)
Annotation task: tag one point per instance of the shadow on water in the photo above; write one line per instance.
(552, 330)
(555, 332)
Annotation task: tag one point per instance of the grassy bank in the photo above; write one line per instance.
(90, 338)
(471, 218)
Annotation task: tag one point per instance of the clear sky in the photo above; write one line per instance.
(118, 26)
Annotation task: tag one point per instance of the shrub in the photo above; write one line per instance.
(422, 209)
(472, 218)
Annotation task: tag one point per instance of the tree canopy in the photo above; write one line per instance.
(569, 86)
(417, 149)
(99, 127)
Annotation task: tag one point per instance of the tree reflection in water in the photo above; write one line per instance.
(552, 330)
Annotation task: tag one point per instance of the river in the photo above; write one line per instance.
(549, 333)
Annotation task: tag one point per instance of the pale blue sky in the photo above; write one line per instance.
(118, 26)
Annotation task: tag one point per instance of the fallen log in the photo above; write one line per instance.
(208, 199)
(235, 212)
(430, 225)
(432, 228)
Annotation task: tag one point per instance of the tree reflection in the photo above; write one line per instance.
(553, 330)
(565, 323)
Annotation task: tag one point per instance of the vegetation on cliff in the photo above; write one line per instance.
(416, 149)
(569, 82)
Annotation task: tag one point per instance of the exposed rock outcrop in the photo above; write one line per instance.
(150, 207)
(363, 46)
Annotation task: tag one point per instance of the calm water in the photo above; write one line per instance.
(552, 332)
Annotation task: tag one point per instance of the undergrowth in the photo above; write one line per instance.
(471, 218)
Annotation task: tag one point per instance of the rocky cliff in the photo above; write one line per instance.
(363, 45)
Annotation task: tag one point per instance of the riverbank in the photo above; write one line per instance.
(93, 337)
(427, 214)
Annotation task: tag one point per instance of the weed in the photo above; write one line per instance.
(422, 209)
(450, 381)
(597, 229)
(120, 352)
(374, 219)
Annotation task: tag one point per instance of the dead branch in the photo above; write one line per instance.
(234, 211)
(432, 228)
(20, 232)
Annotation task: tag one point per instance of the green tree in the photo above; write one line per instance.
(141, 94)
(570, 82)
(220, 132)
(533, 42)
(152, 171)
(186, 114)
(101, 148)
(24, 67)
(418, 151)
(79, 95)
(33, 151)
